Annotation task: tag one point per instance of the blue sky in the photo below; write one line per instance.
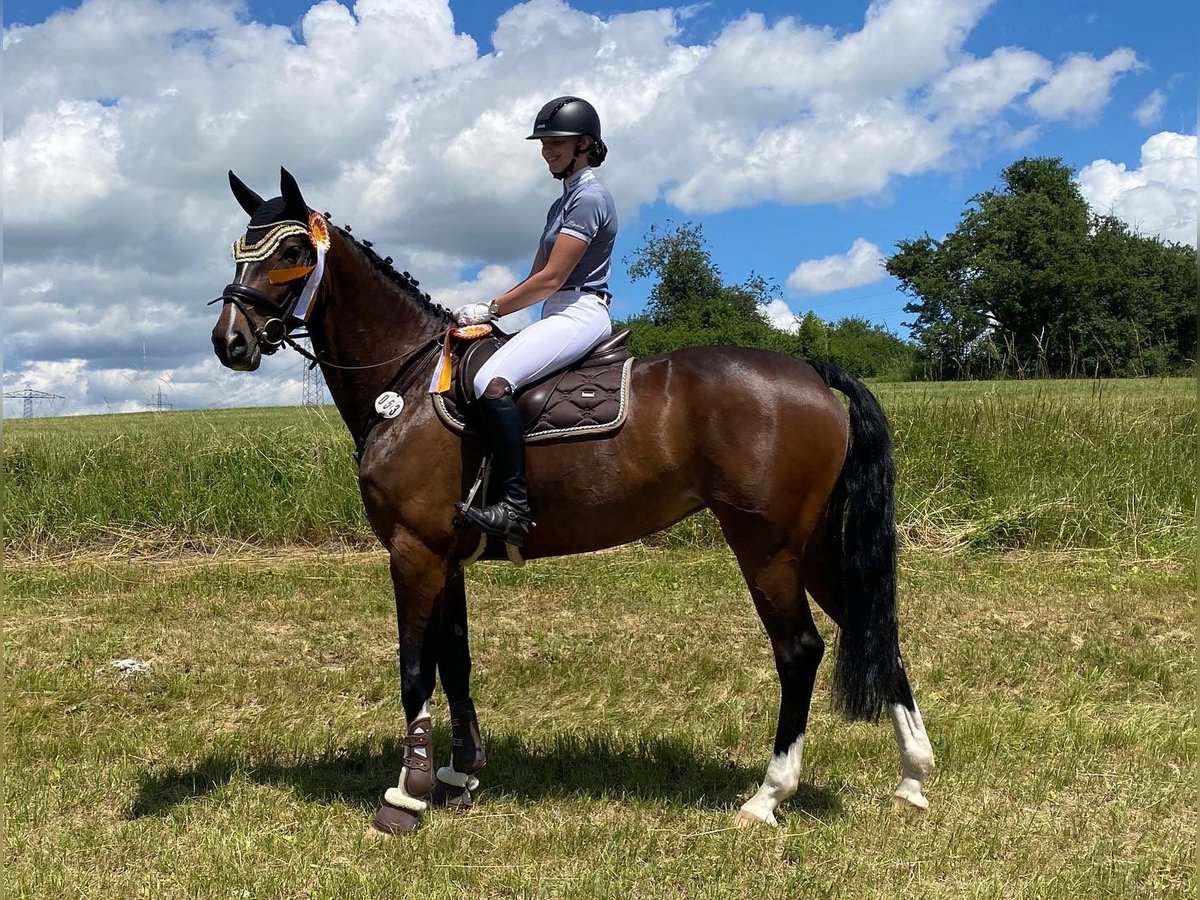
(806, 140)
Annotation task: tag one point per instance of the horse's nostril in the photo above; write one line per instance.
(230, 347)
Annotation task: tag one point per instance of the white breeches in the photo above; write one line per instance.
(570, 326)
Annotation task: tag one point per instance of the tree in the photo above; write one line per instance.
(867, 349)
(690, 305)
(1030, 283)
(679, 259)
(1142, 319)
(951, 329)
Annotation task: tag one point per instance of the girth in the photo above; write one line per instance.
(587, 398)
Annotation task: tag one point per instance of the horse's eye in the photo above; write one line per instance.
(291, 254)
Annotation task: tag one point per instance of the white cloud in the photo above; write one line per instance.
(1150, 110)
(1157, 199)
(780, 315)
(64, 162)
(977, 89)
(1080, 87)
(861, 264)
(799, 114)
(491, 282)
(121, 117)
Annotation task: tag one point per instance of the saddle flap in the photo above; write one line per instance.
(470, 360)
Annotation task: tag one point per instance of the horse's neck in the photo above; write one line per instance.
(366, 318)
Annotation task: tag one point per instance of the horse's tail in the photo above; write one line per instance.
(862, 539)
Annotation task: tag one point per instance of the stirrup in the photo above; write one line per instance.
(501, 520)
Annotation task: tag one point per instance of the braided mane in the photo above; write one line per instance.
(403, 280)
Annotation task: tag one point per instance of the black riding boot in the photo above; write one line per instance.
(508, 518)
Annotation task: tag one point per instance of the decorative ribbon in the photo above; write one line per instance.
(440, 383)
(283, 276)
(318, 233)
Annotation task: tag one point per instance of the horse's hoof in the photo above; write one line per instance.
(909, 801)
(391, 820)
(908, 797)
(746, 819)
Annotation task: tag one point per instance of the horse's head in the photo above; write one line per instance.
(279, 263)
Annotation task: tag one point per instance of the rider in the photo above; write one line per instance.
(570, 272)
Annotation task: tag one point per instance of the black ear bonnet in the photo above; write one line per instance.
(266, 213)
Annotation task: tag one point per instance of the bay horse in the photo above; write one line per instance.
(803, 492)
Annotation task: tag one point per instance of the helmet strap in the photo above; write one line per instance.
(570, 169)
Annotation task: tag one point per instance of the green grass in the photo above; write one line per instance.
(194, 478)
(628, 701)
(1063, 464)
(985, 465)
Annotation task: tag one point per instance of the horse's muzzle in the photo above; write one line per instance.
(234, 343)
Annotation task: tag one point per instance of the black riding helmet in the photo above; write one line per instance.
(566, 116)
(570, 117)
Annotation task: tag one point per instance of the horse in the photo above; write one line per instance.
(801, 486)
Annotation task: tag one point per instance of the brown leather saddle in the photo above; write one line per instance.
(588, 398)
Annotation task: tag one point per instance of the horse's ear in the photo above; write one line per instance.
(290, 191)
(249, 200)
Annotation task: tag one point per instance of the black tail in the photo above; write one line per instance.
(863, 535)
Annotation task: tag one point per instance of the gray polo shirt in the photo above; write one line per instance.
(585, 211)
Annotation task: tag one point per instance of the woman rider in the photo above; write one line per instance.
(570, 272)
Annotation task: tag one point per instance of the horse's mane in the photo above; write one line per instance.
(403, 280)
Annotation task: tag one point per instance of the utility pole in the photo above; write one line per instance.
(27, 395)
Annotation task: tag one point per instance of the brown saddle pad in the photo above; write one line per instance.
(587, 398)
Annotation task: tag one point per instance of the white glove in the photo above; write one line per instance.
(472, 314)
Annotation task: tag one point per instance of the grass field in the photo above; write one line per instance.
(627, 698)
(628, 701)
(989, 465)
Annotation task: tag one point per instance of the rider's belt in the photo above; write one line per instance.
(606, 299)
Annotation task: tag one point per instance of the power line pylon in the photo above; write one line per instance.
(159, 401)
(311, 383)
(27, 395)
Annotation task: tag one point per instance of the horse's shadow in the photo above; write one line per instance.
(671, 771)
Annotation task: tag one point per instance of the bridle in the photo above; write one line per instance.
(293, 309)
(275, 331)
(279, 327)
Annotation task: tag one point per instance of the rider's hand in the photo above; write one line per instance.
(472, 314)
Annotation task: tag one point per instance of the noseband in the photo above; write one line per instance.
(275, 330)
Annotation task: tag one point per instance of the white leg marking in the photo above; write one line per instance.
(783, 777)
(916, 754)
